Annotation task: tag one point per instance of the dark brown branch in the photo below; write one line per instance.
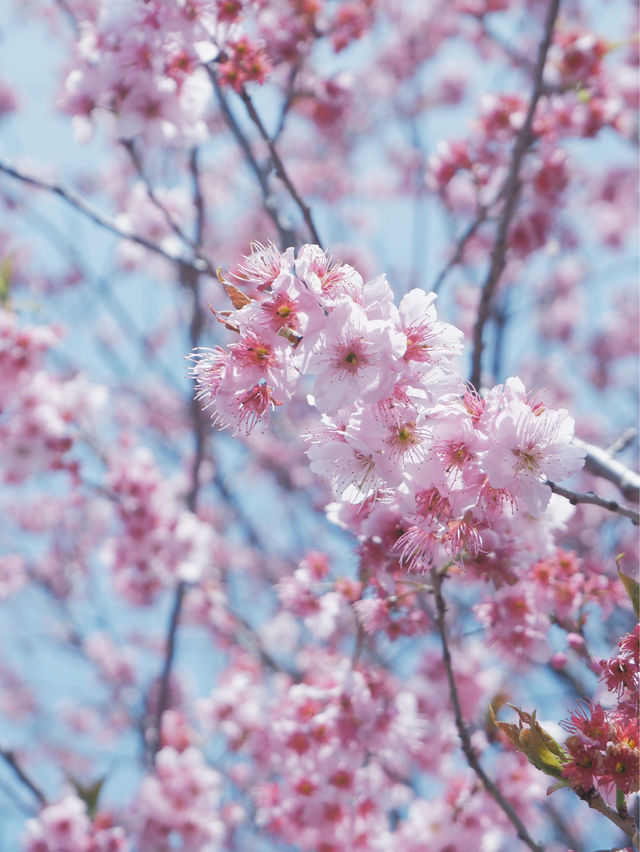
(523, 141)
(280, 169)
(463, 733)
(78, 203)
(181, 588)
(12, 762)
(593, 499)
(599, 462)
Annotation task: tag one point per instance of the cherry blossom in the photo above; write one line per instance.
(287, 596)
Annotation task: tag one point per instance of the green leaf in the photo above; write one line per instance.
(5, 281)
(89, 794)
(542, 750)
(632, 586)
(537, 745)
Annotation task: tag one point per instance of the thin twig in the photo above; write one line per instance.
(621, 443)
(518, 59)
(197, 324)
(190, 281)
(100, 286)
(170, 649)
(112, 303)
(12, 762)
(360, 639)
(625, 824)
(463, 733)
(461, 244)
(195, 246)
(289, 98)
(285, 236)
(64, 8)
(280, 169)
(599, 462)
(593, 499)
(563, 828)
(198, 198)
(579, 689)
(501, 315)
(419, 232)
(252, 640)
(15, 799)
(523, 141)
(78, 203)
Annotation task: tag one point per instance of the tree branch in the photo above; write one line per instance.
(590, 497)
(191, 281)
(194, 245)
(623, 441)
(522, 143)
(625, 824)
(12, 762)
(563, 827)
(78, 203)
(198, 199)
(64, 8)
(285, 235)
(280, 169)
(253, 642)
(461, 244)
(463, 733)
(15, 799)
(170, 649)
(288, 101)
(599, 462)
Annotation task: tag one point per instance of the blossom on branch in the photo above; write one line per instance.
(396, 417)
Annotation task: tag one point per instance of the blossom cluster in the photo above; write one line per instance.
(142, 64)
(40, 412)
(400, 433)
(604, 746)
(177, 804)
(585, 92)
(554, 590)
(157, 540)
(66, 827)
(332, 754)
(271, 693)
